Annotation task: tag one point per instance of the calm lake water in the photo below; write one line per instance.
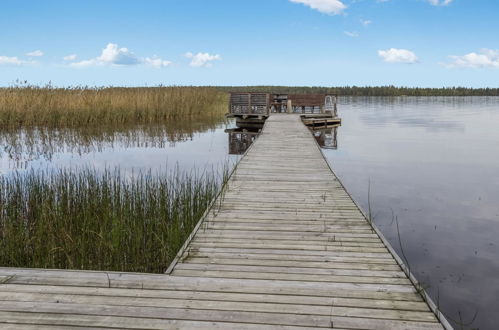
(131, 149)
(433, 162)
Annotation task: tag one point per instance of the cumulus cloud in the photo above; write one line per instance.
(156, 62)
(71, 57)
(111, 55)
(202, 59)
(394, 55)
(6, 60)
(116, 56)
(331, 7)
(440, 2)
(486, 58)
(36, 53)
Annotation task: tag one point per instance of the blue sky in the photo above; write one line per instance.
(427, 43)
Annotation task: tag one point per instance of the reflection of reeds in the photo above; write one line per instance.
(27, 144)
(104, 221)
(27, 105)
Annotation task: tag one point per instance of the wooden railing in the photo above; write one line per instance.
(249, 104)
(262, 104)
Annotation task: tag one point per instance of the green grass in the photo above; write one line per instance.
(111, 220)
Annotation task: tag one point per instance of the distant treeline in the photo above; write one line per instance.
(367, 91)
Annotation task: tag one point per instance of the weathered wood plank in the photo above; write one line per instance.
(207, 239)
(14, 318)
(286, 237)
(286, 257)
(275, 287)
(290, 247)
(390, 282)
(216, 305)
(143, 314)
(291, 270)
(336, 300)
(25, 320)
(287, 263)
(323, 253)
(294, 234)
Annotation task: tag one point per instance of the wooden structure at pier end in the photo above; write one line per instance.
(282, 247)
(252, 109)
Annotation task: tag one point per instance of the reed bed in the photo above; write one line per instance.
(29, 106)
(110, 220)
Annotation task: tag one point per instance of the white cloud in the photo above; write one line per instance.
(202, 59)
(36, 53)
(119, 56)
(366, 22)
(440, 2)
(352, 34)
(331, 7)
(71, 57)
(6, 60)
(157, 62)
(394, 55)
(113, 55)
(486, 58)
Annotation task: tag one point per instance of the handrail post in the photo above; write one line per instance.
(249, 104)
(268, 104)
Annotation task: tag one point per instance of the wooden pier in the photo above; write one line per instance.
(283, 247)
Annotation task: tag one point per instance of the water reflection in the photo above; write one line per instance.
(326, 137)
(240, 139)
(189, 145)
(21, 147)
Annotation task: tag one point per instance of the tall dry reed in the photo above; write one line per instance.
(27, 105)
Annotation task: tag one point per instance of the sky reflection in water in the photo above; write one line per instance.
(435, 162)
(131, 149)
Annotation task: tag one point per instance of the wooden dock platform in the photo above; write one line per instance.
(283, 247)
